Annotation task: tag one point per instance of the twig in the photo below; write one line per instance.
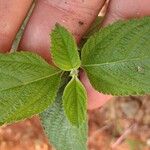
(123, 136)
(99, 131)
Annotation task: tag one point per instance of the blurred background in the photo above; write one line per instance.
(121, 124)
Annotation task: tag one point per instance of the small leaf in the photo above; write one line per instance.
(74, 102)
(117, 58)
(64, 49)
(60, 132)
(28, 85)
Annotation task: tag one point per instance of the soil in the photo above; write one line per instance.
(122, 124)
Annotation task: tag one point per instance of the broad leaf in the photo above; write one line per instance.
(28, 85)
(64, 49)
(60, 132)
(117, 58)
(74, 102)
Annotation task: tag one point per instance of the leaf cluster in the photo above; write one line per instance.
(116, 60)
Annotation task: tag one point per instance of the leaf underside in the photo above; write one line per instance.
(64, 49)
(28, 85)
(60, 132)
(117, 58)
(74, 102)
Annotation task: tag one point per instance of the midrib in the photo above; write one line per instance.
(23, 84)
(116, 62)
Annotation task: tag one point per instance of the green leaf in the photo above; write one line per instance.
(60, 132)
(64, 49)
(74, 102)
(28, 85)
(94, 27)
(117, 58)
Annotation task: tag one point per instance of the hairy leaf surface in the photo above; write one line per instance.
(28, 85)
(60, 132)
(117, 58)
(74, 102)
(64, 49)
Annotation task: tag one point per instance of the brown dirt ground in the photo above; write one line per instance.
(127, 117)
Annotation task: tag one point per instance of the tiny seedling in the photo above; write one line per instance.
(116, 60)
